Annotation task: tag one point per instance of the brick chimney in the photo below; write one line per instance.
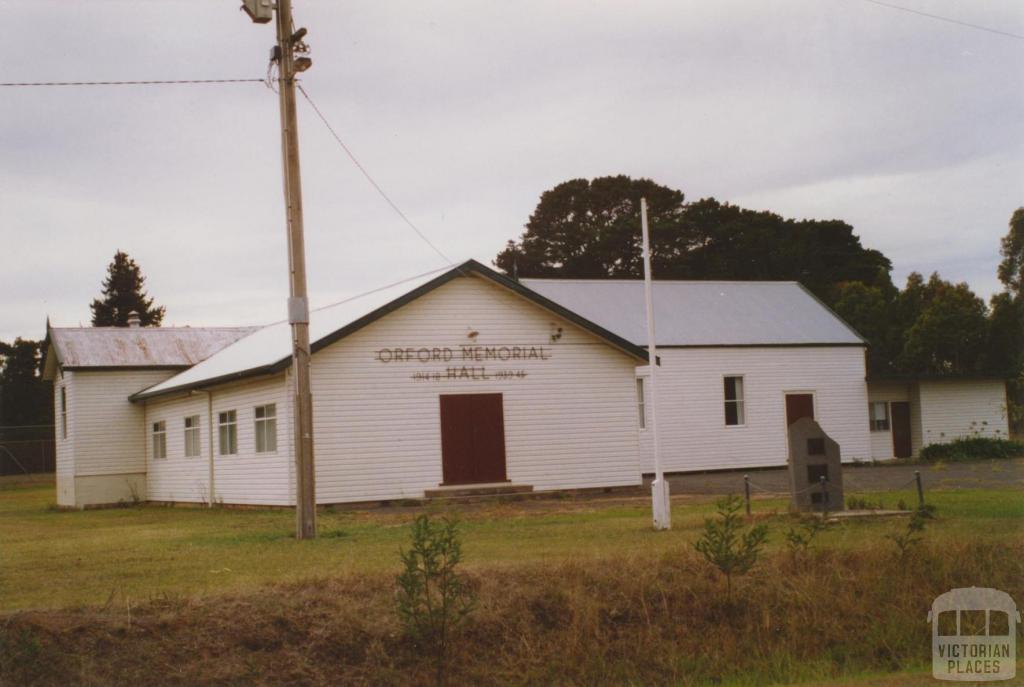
(134, 320)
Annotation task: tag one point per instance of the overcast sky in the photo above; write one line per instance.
(908, 128)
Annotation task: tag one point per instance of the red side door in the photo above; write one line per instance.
(900, 411)
(798, 406)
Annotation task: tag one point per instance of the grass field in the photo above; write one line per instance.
(572, 591)
(53, 559)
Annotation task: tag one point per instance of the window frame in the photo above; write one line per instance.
(265, 428)
(641, 403)
(63, 412)
(159, 443)
(227, 427)
(193, 435)
(740, 401)
(873, 420)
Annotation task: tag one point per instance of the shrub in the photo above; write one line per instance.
(973, 448)
(799, 539)
(723, 545)
(433, 598)
(907, 540)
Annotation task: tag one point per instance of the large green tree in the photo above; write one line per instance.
(123, 294)
(590, 229)
(1007, 326)
(947, 328)
(24, 396)
(1011, 269)
(871, 311)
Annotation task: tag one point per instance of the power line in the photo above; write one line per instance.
(151, 82)
(370, 178)
(946, 19)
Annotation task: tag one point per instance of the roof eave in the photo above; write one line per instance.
(470, 266)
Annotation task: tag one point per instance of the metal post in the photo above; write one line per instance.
(298, 306)
(824, 496)
(920, 489)
(660, 498)
(746, 489)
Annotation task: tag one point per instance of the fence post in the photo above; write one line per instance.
(746, 490)
(920, 489)
(824, 496)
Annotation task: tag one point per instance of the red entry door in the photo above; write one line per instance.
(799, 406)
(900, 412)
(472, 438)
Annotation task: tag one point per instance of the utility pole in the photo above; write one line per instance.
(289, 44)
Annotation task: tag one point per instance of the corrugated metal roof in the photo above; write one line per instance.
(84, 347)
(273, 344)
(703, 313)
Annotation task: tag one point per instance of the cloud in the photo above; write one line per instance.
(908, 128)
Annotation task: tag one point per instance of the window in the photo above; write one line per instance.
(879, 412)
(192, 436)
(734, 412)
(641, 406)
(228, 422)
(63, 412)
(160, 439)
(266, 428)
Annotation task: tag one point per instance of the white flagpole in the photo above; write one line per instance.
(660, 501)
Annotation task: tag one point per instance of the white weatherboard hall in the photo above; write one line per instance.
(459, 378)
(462, 377)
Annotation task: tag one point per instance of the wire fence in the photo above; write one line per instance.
(26, 456)
(750, 487)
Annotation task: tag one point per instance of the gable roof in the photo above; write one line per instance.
(269, 349)
(81, 348)
(705, 313)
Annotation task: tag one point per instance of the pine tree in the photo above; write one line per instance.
(123, 294)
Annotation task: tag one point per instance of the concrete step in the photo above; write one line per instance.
(462, 490)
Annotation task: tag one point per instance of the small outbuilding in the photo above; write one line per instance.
(908, 414)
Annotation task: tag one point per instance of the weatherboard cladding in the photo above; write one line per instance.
(570, 422)
(704, 313)
(691, 400)
(140, 347)
(245, 477)
(962, 408)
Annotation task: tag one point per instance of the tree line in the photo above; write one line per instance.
(588, 229)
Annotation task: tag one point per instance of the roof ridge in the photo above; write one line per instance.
(662, 281)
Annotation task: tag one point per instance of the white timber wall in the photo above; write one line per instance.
(177, 477)
(881, 440)
(569, 423)
(109, 434)
(64, 445)
(952, 409)
(691, 402)
(249, 477)
(246, 477)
